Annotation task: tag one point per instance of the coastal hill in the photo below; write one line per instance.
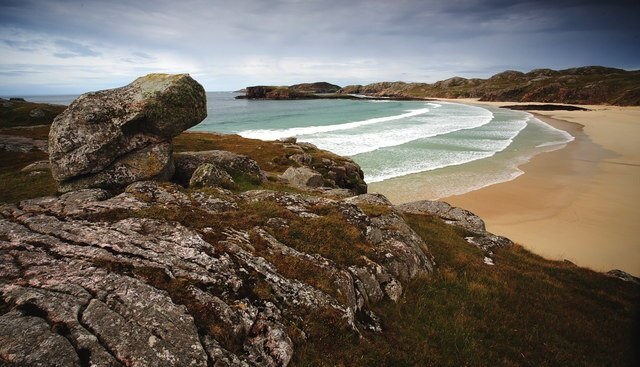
(296, 91)
(582, 85)
(173, 248)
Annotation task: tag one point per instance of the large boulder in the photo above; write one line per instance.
(102, 129)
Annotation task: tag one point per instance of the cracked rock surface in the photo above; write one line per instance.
(474, 226)
(164, 276)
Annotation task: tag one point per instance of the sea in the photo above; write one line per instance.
(454, 147)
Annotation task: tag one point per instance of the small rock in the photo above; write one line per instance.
(37, 113)
(208, 174)
(303, 177)
(289, 140)
(623, 275)
(38, 166)
(303, 159)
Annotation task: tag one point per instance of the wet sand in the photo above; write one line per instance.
(580, 203)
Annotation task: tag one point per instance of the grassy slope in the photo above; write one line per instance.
(18, 114)
(588, 85)
(15, 120)
(525, 311)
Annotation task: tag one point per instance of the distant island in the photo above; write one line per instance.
(581, 85)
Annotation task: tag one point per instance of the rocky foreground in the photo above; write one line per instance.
(270, 255)
(130, 268)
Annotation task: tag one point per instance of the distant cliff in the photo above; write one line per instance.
(318, 87)
(296, 91)
(583, 85)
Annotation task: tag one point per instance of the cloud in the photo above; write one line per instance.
(229, 44)
(73, 49)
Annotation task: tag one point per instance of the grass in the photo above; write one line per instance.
(18, 114)
(270, 156)
(524, 311)
(329, 235)
(16, 185)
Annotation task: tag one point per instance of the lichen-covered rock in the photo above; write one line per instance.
(161, 275)
(477, 234)
(210, 175)
(303, 177)
(101, 129)
(450, 214)
(153, 162)
(234, 164)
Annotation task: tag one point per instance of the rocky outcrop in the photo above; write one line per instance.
(13, 143)
(623, 275)
(268, 92)
(296, 91)
(159, 275)
(235, 165)
(334, 171)
(476, 233)
(112, 138)
(210, 175)
(317, 87)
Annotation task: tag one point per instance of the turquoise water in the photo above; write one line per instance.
(388, 138)
(393, 139)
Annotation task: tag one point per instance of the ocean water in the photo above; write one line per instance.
(458, 146)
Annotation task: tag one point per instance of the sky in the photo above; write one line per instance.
(74, 46)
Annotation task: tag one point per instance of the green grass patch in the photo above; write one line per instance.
(524, 311)
(18, 114)
(16, 185)
(329, 235)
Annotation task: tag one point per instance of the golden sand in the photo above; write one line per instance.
(580, 203)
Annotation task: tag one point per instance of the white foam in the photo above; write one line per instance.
(462, 152)
(368, 140)
(267, 134)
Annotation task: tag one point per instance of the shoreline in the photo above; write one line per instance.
(574, 203)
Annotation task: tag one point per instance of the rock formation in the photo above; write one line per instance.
(100, 280)
(111, 138)
(476, 233)
(233, 164)
(317, 87)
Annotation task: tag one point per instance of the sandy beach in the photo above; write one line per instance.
(579, 203)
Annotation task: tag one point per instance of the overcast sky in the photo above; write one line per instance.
(73, 46)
